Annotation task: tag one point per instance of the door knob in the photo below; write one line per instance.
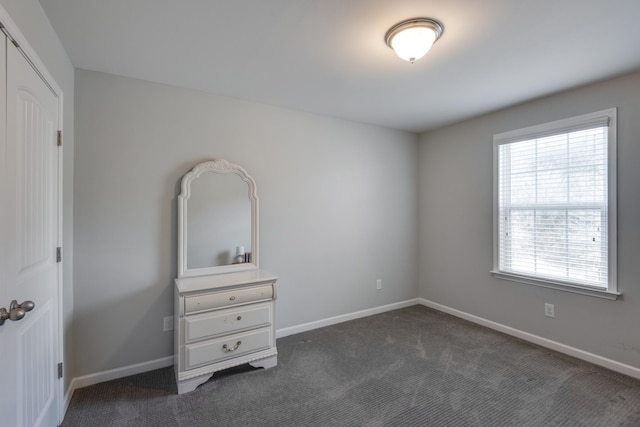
(26, 306)
(16, 311)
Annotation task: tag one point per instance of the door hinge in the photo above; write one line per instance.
(59, 138)
(59, 370)
(58, 254)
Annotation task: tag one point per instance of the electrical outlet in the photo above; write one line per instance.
(379, 284)
(549, 310)
(168, 324)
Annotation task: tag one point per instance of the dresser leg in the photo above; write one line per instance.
(266, 363)
(191, 384)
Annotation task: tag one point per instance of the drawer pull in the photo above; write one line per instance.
(235, 347)
(239, 318)
(233, 298)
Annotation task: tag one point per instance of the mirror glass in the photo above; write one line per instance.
(217, 220)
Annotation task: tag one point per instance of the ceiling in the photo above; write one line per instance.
(329, 56)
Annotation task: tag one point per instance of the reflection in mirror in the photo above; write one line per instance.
(218, 221)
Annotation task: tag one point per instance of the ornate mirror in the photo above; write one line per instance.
(217, 220)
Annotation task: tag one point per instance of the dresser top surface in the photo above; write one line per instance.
(215, 281)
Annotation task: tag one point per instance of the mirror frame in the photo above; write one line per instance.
(219, 166)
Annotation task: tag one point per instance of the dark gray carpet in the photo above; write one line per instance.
(408, 367)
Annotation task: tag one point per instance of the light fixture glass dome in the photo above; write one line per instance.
(412, 39)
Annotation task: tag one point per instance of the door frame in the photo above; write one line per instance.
(13, 33)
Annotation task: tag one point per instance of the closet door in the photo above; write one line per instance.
(29, 224)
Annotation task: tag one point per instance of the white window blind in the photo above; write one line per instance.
(553, 216)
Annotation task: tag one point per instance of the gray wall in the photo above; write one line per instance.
(455, 226)
(35, 26)
(338, 209)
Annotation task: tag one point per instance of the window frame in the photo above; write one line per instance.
(584, 121)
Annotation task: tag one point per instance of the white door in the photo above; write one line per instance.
(29, 225)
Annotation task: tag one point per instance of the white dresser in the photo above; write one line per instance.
(224, 312)
(222, 321)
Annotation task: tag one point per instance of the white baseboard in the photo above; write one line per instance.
(343, 318)
(87, 380)
(112, 374)
(622, 368)
(67, 400)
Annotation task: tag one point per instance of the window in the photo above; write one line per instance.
(554, 204)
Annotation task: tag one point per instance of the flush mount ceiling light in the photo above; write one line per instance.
(412, 39)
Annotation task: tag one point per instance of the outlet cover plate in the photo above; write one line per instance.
(168, 324)
(549, 310)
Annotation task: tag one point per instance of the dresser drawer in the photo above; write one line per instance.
(227, 347)
(211, 324)
(196, 303)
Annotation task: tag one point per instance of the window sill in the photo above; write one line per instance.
(582, 290)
